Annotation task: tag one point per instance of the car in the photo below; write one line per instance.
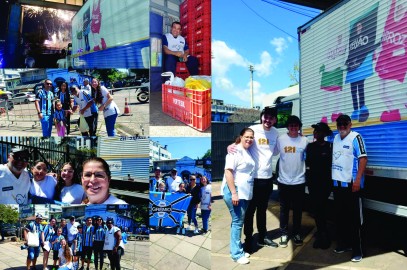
(3, 105)
(24, 97)
(9, 229)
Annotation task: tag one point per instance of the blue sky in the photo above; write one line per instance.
(243, 34)
(179, 147)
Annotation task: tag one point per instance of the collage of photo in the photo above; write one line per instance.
(203, 134)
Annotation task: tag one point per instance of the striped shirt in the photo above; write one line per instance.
(65, 232)
(48, 232)
(35, 227)
(57, 245)
(59, 115)
(45, 101)
(100, 232)
(88, 235)
(79, 241)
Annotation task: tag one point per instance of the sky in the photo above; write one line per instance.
(179, 147)
(245, 32)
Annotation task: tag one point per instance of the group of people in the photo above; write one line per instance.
(91, 186)
(201, 194)
(56, 108)
(322, 165)
(72, 244)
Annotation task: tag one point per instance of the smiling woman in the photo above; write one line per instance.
(96, 179)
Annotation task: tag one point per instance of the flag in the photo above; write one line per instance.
(167, 209)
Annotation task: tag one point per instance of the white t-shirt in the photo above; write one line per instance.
(173, 184)
(112, 108)
(82, 100)
(13, 190)
(110, 240)
(113, 200)
(72, 230)
(292, 159)
(242, 165)
(262, 150)
(44, 188)
(206, 193)
(175, 44)
(73, 194)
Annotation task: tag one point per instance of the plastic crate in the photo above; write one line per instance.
(202, 9)
(203, 21)
(202, 34)
(182, 70)
(191, 107)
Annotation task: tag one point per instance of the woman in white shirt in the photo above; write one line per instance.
(106, 104)
(42, 184)
(206, 198)
(69, 190)
(237, 190)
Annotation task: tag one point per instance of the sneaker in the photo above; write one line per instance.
(355, 115)
(283, 241)
(363, 114)
(267, 243)
(81, 268)
(340, 250)
(196, 231)
(247, 255)
(183, 231)
(242, 260)
(297, 240)
(357, 258)
(178, 231)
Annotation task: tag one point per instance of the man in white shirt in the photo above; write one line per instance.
(72, 228)
(176, 49)
(14, 178)
(173, 181)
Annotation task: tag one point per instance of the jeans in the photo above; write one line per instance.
(237, 213)
(291, 195)
(98, 253)
(33, 252)
(109, 122)
(46, 125)
(114, 258)
(205, 218)
(191, 211)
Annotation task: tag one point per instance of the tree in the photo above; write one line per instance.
(207, 154)
(8, 214)
(294, 74)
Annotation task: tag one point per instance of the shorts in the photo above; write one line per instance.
(33, 252)
(86, 252)
(55, 255)
(78, 253)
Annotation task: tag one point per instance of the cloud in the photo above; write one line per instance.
(264, 68)
(224, 57)
(280, 44)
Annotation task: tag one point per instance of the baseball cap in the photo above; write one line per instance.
(109, 220)
(323, 127)
(20, 151)
(343, 118)
(38, 216)
(157, 168)
(174, 169)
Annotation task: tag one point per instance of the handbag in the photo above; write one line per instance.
(33, 239)
(83, 125)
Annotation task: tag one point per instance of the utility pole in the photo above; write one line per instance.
(251, 69)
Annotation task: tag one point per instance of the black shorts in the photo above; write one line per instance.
(86, 252)
(78, 253)
(55, 255)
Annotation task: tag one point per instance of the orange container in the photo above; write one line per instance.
(191, 107)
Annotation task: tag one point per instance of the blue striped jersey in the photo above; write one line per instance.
(59, 115)
(100, 232)
(88, 235)
(88, 98)
(79, 241)
(33, 226)
(45, 101)
(65, 232)
(48, 232)
(57, 245)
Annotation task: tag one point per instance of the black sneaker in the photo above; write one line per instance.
(340, 250)
(267, 243)
(297, 240)
(283, 241)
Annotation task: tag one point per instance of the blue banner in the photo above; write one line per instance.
(166, 209)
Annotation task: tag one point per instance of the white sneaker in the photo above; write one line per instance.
(196, 231)
(243, 260)
(247, 255)
(178, 230)
(183, 231)
(189, 228)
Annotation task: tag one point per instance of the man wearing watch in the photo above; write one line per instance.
(113, 244)
(45, 107)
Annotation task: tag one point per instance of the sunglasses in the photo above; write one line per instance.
(48, 83)
(20, 158)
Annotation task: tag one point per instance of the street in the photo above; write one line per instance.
(24, 119)
(13, 258)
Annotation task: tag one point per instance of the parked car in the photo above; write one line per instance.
(24, 97)
(9, 229)
(9, 105)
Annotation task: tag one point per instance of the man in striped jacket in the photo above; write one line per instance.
(88, 234)
(46, 236)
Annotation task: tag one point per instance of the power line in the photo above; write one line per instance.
(289, 9)
(267, 20)
(316, 12)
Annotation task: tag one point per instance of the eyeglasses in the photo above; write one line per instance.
(20, 158)
(343, 124)
(98, 175)
(48, 83)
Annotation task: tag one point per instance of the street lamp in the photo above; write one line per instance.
(251, 69)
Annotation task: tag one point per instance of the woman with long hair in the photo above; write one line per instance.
(106, 104)
(65, 256)
(69, 189)
(206, 199)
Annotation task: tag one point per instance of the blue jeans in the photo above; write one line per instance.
(191, 211)
(109, 122)
(205, 218)
(237, 212)
(33, 252)
(46, 125)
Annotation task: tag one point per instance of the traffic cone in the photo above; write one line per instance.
(126, 108)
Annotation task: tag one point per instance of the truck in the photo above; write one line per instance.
(107, 33)
(353, 60)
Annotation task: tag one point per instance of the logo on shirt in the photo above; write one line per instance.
(337, 154)
(346, 146)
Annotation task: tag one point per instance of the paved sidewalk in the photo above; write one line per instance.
(169, 251)
(379, 256)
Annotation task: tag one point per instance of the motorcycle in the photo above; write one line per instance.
(143, 92)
